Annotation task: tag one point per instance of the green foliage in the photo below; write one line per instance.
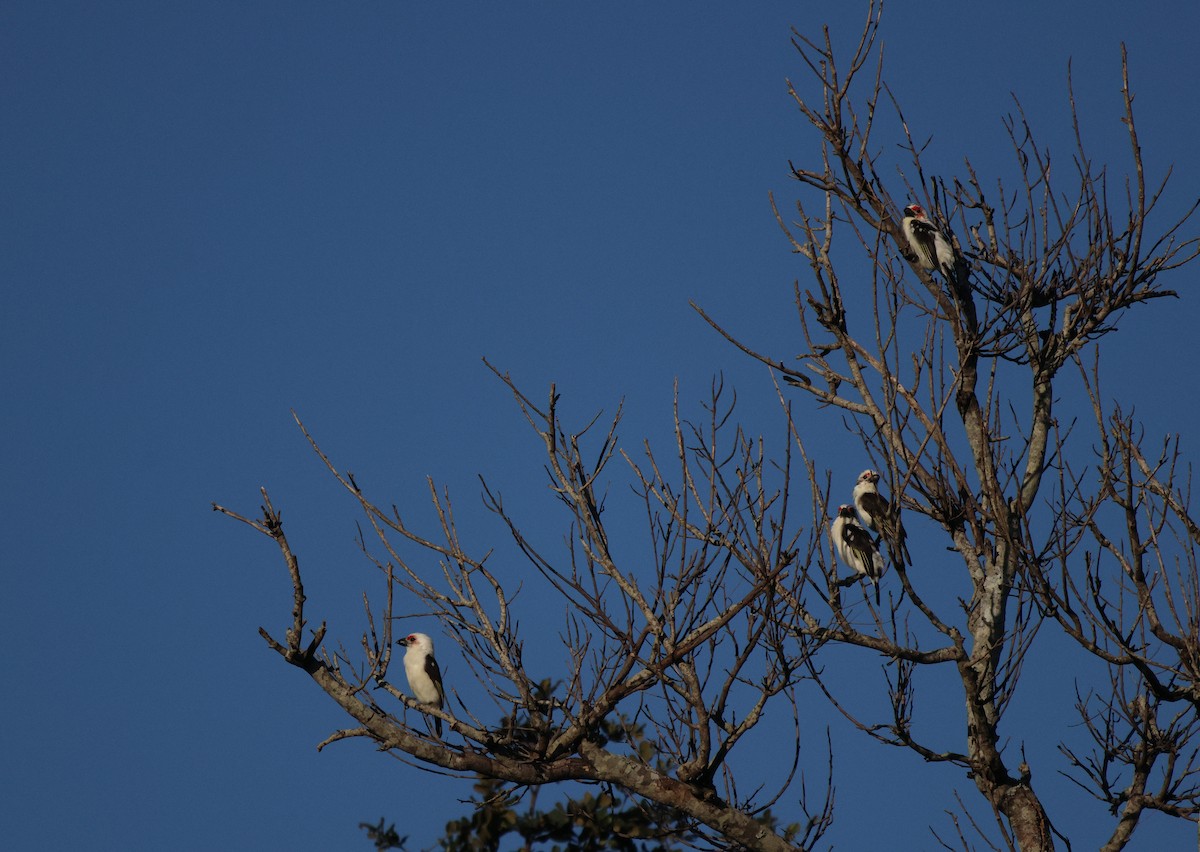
(384, 838)
(588, 821)
(605, 819)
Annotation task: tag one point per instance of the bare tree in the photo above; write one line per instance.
(692, 640)
(935, 389)
(951, 380)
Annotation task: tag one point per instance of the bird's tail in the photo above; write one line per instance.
(958, 277)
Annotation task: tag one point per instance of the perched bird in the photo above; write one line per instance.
(855, 546)
(424, 675)
(879, 516)
(928, 243)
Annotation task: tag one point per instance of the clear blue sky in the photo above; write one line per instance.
(216, 212)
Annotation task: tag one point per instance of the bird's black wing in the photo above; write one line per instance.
(863, 547)
(860, 544)
(435, 673)
(885, 520)
(924, 235)
(875, 508)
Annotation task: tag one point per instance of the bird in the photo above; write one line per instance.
(424, 674)
(879, 516)
(855, 546)
(929, 244)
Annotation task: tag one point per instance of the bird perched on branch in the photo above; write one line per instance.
(855, 546)
(424, 674)
(932, 247)
(881, 517)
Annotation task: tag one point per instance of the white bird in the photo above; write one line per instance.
(928, 243)
(424, 674)
(879, 516)
(855, 546)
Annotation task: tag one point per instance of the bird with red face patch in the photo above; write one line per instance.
(856, 548)
(928, 243)
(880, 516)
(424, 674)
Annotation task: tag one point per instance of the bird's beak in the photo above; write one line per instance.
(403, 642)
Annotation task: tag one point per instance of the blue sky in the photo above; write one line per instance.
(217, 212)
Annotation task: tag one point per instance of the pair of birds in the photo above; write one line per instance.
(854, 543)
